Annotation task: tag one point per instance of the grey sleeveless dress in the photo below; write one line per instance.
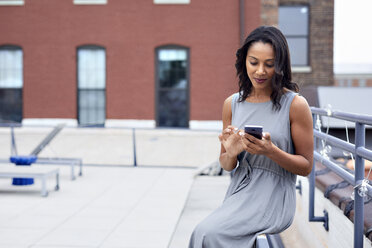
(261, 198)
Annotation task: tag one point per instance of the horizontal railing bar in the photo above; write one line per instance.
(361, 118)
(364, 153)
(335, 168)
(339, 171)
(335, 141)
(361, 151)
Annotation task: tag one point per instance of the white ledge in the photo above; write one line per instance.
(12, 3)
(90, 2)
(171, 1)
(296, 69)
(206, 125)
(48, 122)
(130, 123)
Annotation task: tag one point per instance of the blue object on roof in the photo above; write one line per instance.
(23, 161)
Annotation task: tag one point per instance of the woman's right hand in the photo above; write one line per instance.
(230, 138)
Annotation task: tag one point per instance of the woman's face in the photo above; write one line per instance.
(260, 64)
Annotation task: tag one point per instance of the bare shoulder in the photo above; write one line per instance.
(299, 108)
(226, 110)
(227, 103)
(229, 99)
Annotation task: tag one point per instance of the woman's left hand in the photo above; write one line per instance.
(257, 146)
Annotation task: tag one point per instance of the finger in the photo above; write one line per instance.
(250, 138)
(231, 127)
(234, 129)
(266, 136)
(246, 142)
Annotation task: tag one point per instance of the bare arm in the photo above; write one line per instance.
(301, 162)
(231, 144)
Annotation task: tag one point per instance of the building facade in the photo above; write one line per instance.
(165, 63)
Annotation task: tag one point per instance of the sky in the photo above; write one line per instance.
(353, 35)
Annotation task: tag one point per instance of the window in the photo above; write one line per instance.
(12, 2)
(11, 83)
(171, 1)
(172, 84)
(90, 2)
(91, 85)
(294, 23)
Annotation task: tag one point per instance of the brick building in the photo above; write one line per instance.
(143, 63)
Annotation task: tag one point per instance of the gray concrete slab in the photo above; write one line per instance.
(107, 207)
(113, 204)
(206, 194)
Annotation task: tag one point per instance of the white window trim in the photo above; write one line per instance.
(172, 1)
(90, 2)
(12, 2)
(299, 69)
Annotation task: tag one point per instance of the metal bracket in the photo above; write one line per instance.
(324, 219)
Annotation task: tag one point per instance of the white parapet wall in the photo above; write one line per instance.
(305, 234)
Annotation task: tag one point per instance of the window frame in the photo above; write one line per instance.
(91, 89)
(20, 89)
(157, 81)
(301, 67)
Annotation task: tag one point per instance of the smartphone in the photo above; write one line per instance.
(255, 131)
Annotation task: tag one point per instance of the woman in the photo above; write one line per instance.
(261, 197)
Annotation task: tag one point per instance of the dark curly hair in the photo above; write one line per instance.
(282, 77)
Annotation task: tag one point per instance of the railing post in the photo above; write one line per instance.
(312, 191)
(359, 176)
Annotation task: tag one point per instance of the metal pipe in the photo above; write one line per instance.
(335, 168)
(13, 150)
(363, 152)
(312, 182)
(361, 118)
(312, 217)
(359, 176)
(335, 141)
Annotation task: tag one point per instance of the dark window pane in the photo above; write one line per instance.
(10, 105)
(91, 107)
(298, 50)
(172, 67)
(293, 20)
(172, 108)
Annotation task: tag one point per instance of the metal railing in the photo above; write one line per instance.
(361, 188)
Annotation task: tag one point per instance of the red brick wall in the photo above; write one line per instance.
(49, 31)
(321, 38)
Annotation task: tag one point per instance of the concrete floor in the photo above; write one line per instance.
(113, 204)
